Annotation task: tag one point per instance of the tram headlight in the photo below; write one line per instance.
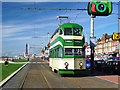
(81, 65)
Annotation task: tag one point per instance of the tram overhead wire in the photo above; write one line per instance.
(25, 8)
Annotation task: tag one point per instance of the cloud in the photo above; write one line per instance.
(12, 30)
(17, 38)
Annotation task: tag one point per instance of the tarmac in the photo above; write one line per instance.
(16, 81)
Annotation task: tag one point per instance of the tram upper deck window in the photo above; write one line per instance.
(76, 31)
(68, 31)
(60, 31)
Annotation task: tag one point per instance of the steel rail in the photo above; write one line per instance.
(23, 81)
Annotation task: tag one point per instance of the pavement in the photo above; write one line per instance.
(107, 77)
(2, 61)
(111, 78)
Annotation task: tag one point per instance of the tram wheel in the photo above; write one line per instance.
(55, 71)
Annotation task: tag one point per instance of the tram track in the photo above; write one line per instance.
(55, 80)
(73, 82)
(49, 86)
(23, 81)
(39, 74)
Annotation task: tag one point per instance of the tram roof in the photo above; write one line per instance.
(64, 25)
(71, 24)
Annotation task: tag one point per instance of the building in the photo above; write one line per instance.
(87, 50)
(106, 45)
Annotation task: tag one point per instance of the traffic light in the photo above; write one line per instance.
(100, 7)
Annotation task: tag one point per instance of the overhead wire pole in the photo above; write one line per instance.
(91, 46)
(47, 36)
(119, 26)
(119, 37)
(36, 47)
(92, 42)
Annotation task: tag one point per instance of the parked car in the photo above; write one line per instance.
(99, 65)
(112, 67)
(112, 58)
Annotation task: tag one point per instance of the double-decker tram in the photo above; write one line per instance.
(67, 53)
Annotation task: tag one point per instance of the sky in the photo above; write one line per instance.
(19, 25)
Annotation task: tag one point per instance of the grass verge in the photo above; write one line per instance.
(20, 60)
(7, 70)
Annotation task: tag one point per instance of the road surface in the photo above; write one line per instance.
(37, 74)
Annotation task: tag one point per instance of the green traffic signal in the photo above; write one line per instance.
(100, 7)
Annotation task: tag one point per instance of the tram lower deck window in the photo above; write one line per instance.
(73, 51)
(68, 51)
(77, 51)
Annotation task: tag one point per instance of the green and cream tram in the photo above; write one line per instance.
(67, 54)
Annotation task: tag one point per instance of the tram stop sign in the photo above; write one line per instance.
(92, 41)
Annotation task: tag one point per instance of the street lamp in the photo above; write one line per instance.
(119, 32)
(119, 25)
(92, 43)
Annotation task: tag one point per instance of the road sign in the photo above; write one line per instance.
(100, 7)
(116, 36)
(92, 41)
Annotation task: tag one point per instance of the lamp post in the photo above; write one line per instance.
(119, 33)
(92, 42)
(118, 25)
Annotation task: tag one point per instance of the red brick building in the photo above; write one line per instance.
(106, 45)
